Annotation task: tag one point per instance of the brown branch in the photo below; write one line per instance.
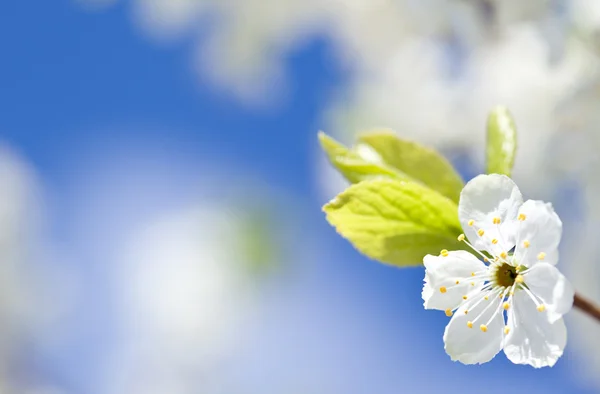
(587, 306)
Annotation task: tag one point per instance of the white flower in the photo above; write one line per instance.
(520, 278)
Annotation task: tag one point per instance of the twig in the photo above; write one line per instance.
(587, 306)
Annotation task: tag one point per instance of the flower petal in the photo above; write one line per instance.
(472, 345)
(542, 230)
(483, 200)
(444, 272)
(532, 339)
(556, 292)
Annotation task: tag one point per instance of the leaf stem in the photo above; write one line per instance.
(587, 307)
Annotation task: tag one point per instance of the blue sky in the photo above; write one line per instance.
(72, 76)
(81, 91)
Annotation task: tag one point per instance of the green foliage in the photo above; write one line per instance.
(382, 154)
(501, 142)
(403, 201)
(354, 167)
(258, 240)
(416, 161)
(395, 222)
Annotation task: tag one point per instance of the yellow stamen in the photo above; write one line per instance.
(471, 222)
(458, 281)
(472, 283)
(444, 253)
(483, 328)
(466, 311)
(503, 255)
(486, 298)
(522, 217)
(541, 308)
(472, 273)
(541, 256)
(461, 237)
(494, 241)
(464, 297)
(497, 220)
(480, 232)
(443, 289)
(526, 244)
(506, 305)
(506, 330)
(448, 312)
(470, 324)
(519, 279)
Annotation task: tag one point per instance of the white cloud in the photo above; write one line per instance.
(183, 296)
(24, 311)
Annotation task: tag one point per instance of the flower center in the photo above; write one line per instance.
(505, 275)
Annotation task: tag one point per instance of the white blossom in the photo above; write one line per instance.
(519, 241)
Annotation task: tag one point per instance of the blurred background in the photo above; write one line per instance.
(161, 185)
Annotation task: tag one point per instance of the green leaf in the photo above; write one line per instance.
(353, 166)
(258, 240)
(416, 161)
(395, 222)
(382, 154)
(501, 142)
